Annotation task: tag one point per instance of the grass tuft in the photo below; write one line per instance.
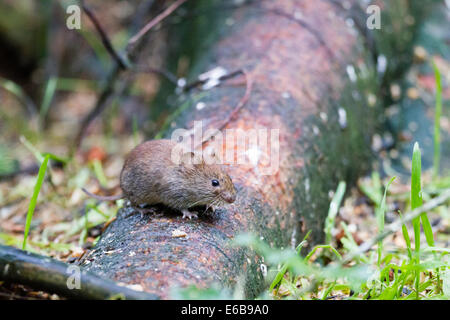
(379, 213)
(333, 210)
(33, 201)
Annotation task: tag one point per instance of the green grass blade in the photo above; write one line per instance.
(16, 90)
(416, 201)
(373, 190)
(41, 155)
(327, 292)
(284, 268)
(96, 44)
(333, 210)
(416, 192)
(56, 158)
(75, 84)
(50, 90)
(323, 246)
(278, 277)
(379, 214)
(350, 244)
(37, 154)
(437, 121)
(33, 201)
(427, 229)
(407, 239)
(99, 173)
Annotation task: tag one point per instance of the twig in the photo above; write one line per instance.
(105, 39)
(31, 169)
(99, 106)
(242, 102)
(306, 26)
(44, 273)
(121, 65)
(105, 96)
(397, 225)
(239, 106)
(153, 23)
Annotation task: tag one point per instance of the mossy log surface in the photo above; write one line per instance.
(314, 80)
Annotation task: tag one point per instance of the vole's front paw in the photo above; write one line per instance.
(188, 214)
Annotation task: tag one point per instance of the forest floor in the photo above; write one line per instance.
(66, 223)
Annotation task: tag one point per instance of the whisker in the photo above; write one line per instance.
(213, 202)
(195, 203)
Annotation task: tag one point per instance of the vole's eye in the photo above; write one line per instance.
(215, 183)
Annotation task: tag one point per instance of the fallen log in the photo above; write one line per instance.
(70, 281)
(314, 82)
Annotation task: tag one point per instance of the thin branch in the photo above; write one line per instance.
(121, 65)
(397, 225)
(239, 106)
(31, 169)
(105, 39)
(316, 34)
(45, 273)
(242, 102)
(153, 23)
(100, 105)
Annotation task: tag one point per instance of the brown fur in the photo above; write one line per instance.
(149, 176)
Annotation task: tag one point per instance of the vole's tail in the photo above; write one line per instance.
(103, 198)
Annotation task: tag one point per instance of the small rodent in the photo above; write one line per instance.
(149, 176)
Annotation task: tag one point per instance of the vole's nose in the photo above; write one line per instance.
(229, 197)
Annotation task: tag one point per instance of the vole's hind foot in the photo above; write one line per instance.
(141, 210)
(146, 211)
(188, 214)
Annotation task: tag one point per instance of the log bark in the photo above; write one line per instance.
(312, 79)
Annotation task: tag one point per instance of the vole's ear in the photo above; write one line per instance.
(210, 156)
(192, 159)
